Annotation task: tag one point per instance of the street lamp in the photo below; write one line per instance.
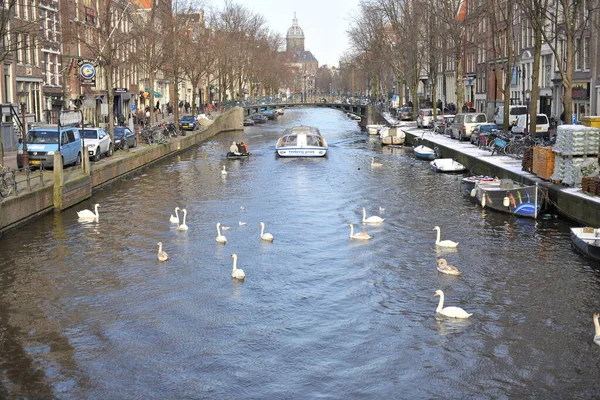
(23, 98)
(305, 76)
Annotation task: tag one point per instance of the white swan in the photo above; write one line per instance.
(371, 220)
(360, 235)
(443, 243)
(381, 209)
(237, 273)
(225, 228)
(242, 223)
(175, 218)
(162, 255)
(452, 312)
(223, 172)
(444, 268)
(375, 164)
(220, 238)
(183, 226)
(265, 236)
(597, 329)
(88, 215)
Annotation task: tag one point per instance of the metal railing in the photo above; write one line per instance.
(13, 182)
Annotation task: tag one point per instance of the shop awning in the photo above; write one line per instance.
(156, 94)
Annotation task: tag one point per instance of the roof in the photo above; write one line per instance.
(295, 31)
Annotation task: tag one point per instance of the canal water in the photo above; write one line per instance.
(87, 310)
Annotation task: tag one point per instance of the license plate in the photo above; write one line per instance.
(538, 128)
(34, 162)
(184, 126)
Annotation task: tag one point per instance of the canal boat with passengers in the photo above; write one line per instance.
(301, 141)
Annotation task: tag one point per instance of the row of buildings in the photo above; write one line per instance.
(47, 66)
(485, 73)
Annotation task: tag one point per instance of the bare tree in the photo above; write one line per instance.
(15, 32)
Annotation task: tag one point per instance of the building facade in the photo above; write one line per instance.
(303, 63)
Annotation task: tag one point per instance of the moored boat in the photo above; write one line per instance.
(248, 122)
(508, 196)
(470, 181)
(391, 136)
(301, 141)
(424, 153)
(259, 118)
(587, 241)
(447, 165)
(374, 129)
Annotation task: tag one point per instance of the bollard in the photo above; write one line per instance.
(58, 181)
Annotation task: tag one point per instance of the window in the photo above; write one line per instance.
(90, 15)
(586, 53)
(579, 53)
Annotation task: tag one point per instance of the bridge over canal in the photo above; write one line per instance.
(369, 114)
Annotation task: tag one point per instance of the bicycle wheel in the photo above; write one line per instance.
(6, 185)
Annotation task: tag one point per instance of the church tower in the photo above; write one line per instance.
(295, 37)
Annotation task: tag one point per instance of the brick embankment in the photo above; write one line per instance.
(40, 197)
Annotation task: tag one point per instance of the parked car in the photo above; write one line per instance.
(189, 122)
(43, 142)
(482, 132)
(405, 113)
(98, 142)
(542, 125)
(513, 112)
(125, 135)
(464, 123)
(425, 117)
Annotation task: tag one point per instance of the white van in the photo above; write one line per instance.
(542, 125)
(513, 112)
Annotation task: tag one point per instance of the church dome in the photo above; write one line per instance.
(295, 31)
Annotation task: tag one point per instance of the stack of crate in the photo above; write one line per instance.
(574, 144)
(590, 185)
(543, 162)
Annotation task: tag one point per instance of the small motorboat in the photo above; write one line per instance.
(374, 129)
(248, 122)
(511, 197)
(470, 181)
(447, 165)
(301, 141)
(392, 136)
(259, 118)
(424, 153)
(587, 241)
(237, 156)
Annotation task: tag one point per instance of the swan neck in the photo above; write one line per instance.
(351, 230)
(96, 210)
(438, 240)
(262, 229)
(218, 230)
(184, 214)
(364, 214)
(234, 263)
(159, 247)
(597, 326)
(441, 303)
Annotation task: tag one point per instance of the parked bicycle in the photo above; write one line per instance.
(7, 181)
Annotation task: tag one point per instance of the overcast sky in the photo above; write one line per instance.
(324, 22)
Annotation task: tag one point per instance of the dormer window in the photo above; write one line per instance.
(90, 15)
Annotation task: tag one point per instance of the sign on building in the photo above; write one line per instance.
(87, 72)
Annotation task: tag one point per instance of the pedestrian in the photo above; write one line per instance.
(147, 116)
(233, 148)
(245, 147)
(241, 148)
(562, 118)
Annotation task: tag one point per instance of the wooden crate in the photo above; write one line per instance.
(543, 162)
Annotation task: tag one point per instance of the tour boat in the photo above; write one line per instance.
(301, 141)
(587, 241)
(508, 196)
(447, 165)
(424, 153)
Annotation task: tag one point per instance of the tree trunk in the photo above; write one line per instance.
(535, 78)
(509, 71)
(567, 78)
(194, 87)
(460, 90)
(109, 95)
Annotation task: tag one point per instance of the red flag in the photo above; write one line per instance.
(461, 15)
